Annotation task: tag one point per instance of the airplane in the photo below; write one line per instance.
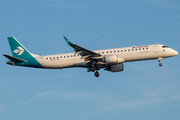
(109, 59)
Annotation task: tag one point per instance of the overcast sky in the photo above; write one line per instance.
(143, 91)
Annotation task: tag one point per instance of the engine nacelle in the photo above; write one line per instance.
(113, 59)
(115, 68)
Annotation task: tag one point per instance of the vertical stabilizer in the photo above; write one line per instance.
(21, 56)
(18, 50)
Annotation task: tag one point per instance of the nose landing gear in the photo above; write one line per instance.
(160, 59)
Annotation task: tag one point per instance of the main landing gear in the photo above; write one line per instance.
(160, 59)
(96, 74)
(93, 69)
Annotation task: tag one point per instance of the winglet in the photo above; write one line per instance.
(70, 43)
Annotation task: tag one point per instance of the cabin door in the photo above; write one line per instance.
(156, 49)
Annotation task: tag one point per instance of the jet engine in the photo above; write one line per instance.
(112, 59)
(115, 68)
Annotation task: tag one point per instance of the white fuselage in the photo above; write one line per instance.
(135, 53)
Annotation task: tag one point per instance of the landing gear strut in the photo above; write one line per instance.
(96, 74)
(160, 59)
(92, 68)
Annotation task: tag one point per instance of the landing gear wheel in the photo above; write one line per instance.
(96, 74)
(160, 64)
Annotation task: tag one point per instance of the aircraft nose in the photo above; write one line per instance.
(175, 52)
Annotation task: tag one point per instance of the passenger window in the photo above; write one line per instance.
(61, 57)
(129, 50)
(125, 50)
(136, 49)
(118, 51)
(121, 50)
(132, 49)
(64, 56)
(53, 57)
(110, 51)
(67, 56)
(146, 48)
(114, 51)
(102, 52)
(107, 52)
(50, 58)
(46, 58)
(139, 48)
(143, 48)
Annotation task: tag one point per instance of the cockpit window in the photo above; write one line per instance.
(165, 47)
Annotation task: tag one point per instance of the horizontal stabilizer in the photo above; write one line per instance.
(14, 59)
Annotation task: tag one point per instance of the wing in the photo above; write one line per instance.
(85, 53)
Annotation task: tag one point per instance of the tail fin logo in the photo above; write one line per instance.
(19, 50)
